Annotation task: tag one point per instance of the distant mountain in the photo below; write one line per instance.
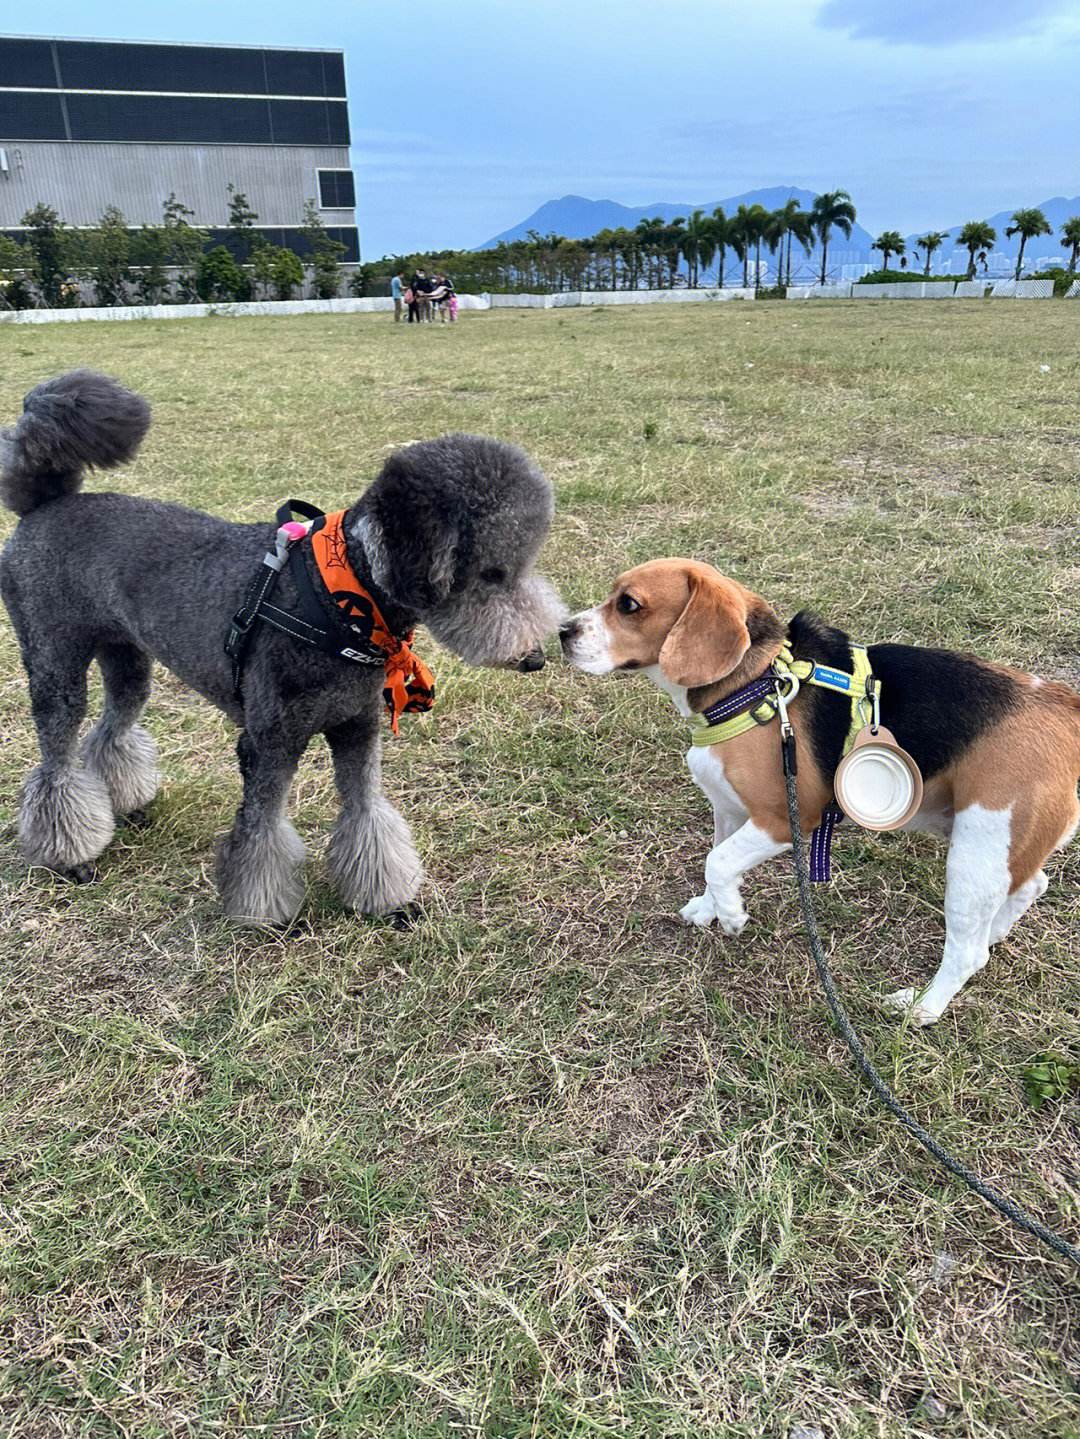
(578, 218)
(1057, 211)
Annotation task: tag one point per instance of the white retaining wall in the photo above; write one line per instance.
(965, 289)
(1023, 289)
(819, 292)
(198, 312)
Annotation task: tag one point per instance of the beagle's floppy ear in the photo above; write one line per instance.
(710, 637)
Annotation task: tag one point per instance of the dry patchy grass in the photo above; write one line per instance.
(550, 1165)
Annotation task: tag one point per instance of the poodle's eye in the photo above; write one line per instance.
(627, 605)
(493, 576)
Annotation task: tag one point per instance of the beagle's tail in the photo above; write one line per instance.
(75, 422)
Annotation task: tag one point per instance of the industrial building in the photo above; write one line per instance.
(90, 123)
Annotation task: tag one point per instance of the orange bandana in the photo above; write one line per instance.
(410, 685)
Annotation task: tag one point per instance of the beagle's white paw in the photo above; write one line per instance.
(700, 911)
(904, 1000)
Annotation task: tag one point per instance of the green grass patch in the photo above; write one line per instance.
(549, 1164)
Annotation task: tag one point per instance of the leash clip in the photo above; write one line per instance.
(787, 733)
(871, 702)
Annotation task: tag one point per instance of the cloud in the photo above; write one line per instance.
(930, 22)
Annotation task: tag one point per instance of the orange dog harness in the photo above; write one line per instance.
(410, 685)
(356, 630)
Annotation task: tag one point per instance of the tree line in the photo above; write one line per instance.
(661, 254)
(171, 262)
(174, 260)
(978, 238)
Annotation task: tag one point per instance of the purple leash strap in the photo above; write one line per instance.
(821, 844)
(747, 698)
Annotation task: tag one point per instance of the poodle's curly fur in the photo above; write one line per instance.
(447, 535)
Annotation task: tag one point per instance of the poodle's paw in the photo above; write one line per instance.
(904, 1000)
(78, 873)
(700, 911)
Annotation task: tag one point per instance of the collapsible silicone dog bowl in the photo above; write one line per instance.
(878, 785)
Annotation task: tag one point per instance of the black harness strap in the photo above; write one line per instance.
(320, 627)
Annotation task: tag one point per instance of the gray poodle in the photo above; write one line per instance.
(446, 535)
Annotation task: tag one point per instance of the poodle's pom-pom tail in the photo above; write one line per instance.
(78, 421)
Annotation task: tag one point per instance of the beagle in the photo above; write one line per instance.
(999, 750)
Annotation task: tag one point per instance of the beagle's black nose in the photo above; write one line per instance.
(569, 630)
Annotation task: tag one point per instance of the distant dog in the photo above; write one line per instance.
(999, 750)
(447, 534)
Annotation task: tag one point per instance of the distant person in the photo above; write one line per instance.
(413, 303)
(423, 285)
(444, 298)
(395, 295)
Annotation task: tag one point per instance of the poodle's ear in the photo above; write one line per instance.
(410, 533)
(710, 637)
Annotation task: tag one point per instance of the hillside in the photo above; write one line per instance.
(577, 218)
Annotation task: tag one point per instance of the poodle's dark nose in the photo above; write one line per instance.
(534, 660)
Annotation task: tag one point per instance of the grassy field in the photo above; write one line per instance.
(549, 1164)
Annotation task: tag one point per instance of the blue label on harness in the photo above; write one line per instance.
(835, 679)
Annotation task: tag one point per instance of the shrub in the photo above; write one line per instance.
(219, 278)
(286, 273)
(1062, 279)
(906, 277)
(149, 253)
(325, 253)
(15, 291)
(277, 269)
(48, 246)
(110, 252)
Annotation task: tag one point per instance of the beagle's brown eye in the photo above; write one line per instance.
(627, 605)
(493, 577)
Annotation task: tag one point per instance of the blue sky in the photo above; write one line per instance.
(467, 116)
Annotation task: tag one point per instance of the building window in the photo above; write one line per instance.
(337, 190)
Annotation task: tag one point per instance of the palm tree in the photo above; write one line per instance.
(889, 242)
(720, 227)
(1070, 237)
(750, 224)
(929, 243)
(975, 236)
(671, 247)
(707, 243)
(779, 229)
(1027, 224)
(835, 207)
(774, 231)
(629, 246)
(801, 228)
(740, 238)
(694, 241)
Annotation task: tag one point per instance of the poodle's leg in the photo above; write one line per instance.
(118, 750)
(259, 861)
(371, 857)
(65, 816)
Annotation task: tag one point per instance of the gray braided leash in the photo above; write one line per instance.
(1004, 1206)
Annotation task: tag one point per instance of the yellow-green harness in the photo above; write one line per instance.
(861, 687)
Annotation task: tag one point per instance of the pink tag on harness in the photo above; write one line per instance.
(293, 530)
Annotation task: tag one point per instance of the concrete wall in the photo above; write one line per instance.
(199, 312)
(79, 179)
(819, 292)
(488, 302)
